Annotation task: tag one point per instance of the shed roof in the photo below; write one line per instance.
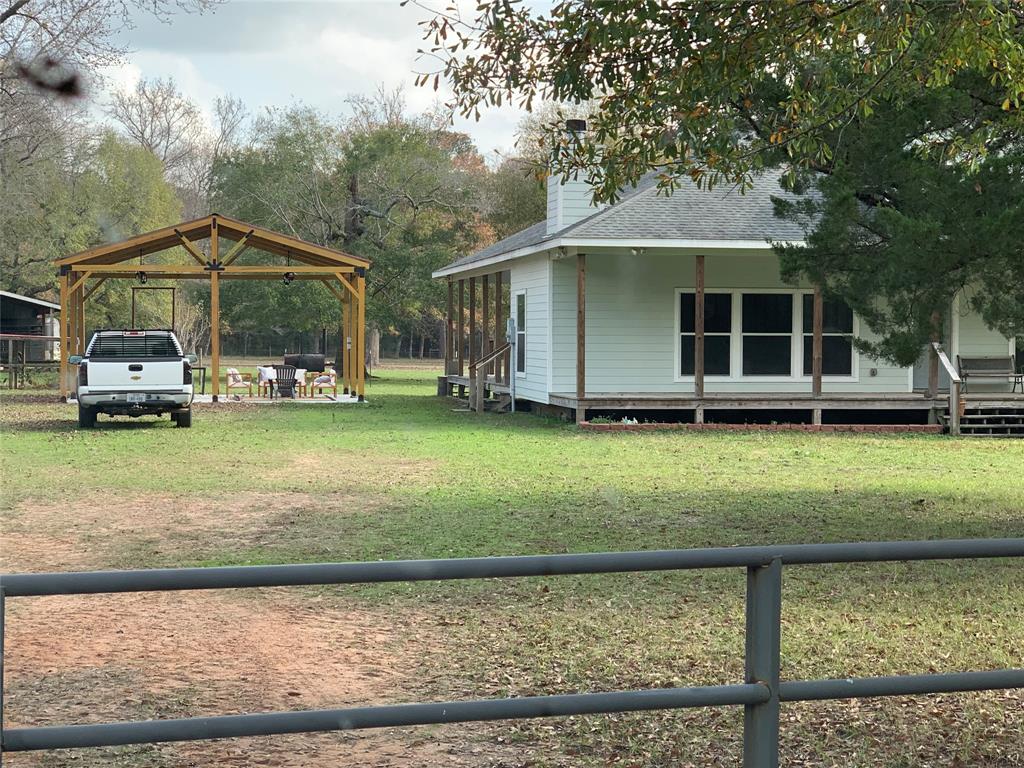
(29, 300)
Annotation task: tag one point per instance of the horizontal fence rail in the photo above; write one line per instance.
(245, 576)
(760, 694)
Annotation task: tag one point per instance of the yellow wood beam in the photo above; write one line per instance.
(80, 323)
(349, 342)
(194, 252)
(131, 247)
(215, 333)
(92, 290)
(238, 248)
(157, 270)
(330, 286)
(130, 270)
(348, 286)
(301, 247)
(72, 316)
(361, 338)
(325, 271)
(65, 347)
(78, 283)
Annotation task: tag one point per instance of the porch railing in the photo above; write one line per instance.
(760, 694)
(955, 383)
(478, 376)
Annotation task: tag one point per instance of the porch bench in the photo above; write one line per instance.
(990, 367)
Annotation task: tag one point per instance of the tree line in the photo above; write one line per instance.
(380, 181)
(903, 118)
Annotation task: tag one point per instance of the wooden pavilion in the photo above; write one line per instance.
(343, 274)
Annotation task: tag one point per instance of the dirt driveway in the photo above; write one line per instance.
(159, 655)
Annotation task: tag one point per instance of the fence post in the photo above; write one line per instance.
(763, 638)
(3, 606)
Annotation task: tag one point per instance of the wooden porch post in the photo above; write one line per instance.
(816, 351)
(933, 357)
(698, 340)
(460, 339)
(499, 326)
(65, 343)
(581, 337)
(448, 341)
(486, 341)
(472, 322)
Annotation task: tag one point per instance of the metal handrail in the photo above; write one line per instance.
(761, 692)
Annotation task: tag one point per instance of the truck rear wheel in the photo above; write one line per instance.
(86, 417)
(182, 418)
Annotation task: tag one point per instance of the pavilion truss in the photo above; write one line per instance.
(228, 240)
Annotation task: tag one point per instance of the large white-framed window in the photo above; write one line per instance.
(767, 335)
(837, 354)
(717, 333)
(520, 309)
(767, 341)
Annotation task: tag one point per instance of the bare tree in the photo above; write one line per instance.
(56, 43)
(160, 118)
(195, 177)
(193, 325)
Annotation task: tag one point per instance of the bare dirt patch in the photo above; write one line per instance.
(25, 551)
(374, 470)
(94, 531)
(109, 657)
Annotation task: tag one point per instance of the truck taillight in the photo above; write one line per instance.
(186, 373)
(83, 373)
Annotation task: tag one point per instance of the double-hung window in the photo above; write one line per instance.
(717, 332)
(836, 338)
(767, 334)
(520, 333)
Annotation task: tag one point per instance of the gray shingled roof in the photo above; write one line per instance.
(689, 213)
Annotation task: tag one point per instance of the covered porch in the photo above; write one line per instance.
(478, 355)
(711, 380)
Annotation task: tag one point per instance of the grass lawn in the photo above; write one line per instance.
(406, 477)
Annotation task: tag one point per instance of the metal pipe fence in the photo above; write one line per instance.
(760, 694)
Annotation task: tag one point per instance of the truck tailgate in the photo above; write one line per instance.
(140, 374)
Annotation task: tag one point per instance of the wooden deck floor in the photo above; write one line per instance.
(761, 401)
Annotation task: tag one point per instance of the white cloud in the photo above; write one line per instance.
(317, 53)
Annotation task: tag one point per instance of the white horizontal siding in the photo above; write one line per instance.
(975, 339)
(631, 325)
(531, 275)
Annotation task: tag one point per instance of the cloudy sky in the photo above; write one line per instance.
(280, 52)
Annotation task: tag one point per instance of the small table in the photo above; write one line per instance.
(269, 377)
(202, 377)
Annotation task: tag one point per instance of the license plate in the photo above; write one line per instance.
(136, 397)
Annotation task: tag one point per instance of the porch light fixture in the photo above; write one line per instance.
(141, 276)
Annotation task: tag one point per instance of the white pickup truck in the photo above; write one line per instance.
(134, 373)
